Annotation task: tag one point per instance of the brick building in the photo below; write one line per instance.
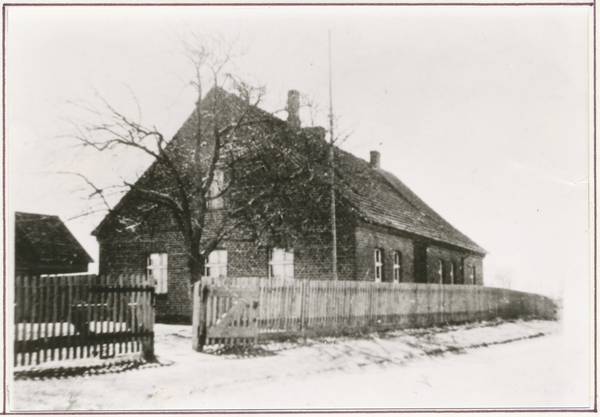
(384, 233)
(44, 245)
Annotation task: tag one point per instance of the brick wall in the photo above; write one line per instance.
(125, 251)
(477, 263)
(369, 238)
(460, 261)
(313, 256)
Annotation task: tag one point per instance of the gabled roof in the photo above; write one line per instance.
(48, 240)
(232, 106)
(377, 196)
(381, 198)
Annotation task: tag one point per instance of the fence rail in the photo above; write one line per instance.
(67, 317)
(329, 307)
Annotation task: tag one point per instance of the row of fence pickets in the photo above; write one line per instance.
(292, 306)
(77, 316)
(64, 317)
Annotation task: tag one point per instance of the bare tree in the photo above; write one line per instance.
(235, 151)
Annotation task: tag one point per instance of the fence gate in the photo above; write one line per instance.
(224, 315)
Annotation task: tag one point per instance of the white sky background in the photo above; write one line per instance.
(483, 112)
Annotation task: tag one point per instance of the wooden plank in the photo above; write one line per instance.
(132, 319)
(97, 299)
(137, 311)
(111, 325)
(35, 328)
(44, 319)
(289, 323)
(30, 315)
(26, 316)
(121, 314)
(68, 302)
(18, 315)
(112, 313)
(55, 322)
(135, 319)
(84, 303)
(152, 312)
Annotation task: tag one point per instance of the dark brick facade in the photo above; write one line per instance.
(376, 211)
(410, 248)
(125, 252)
(369, 238)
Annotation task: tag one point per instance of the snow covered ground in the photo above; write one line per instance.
(526, 364)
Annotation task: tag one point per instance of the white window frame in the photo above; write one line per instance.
(397, 266)
(283, 260)
(215, 188)
(158, 271)
(217, 261)
(378, 257)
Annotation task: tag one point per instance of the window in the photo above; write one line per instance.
(281, 263)
(217, 264)
(216, 187)
(157, 269)
(397, 266)
(473, 275)
(441, 272)
(378, 265)
(451, 273)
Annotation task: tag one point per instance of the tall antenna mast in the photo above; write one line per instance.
(332, 173)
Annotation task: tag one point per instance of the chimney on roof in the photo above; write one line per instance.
(375, 159)
(293, 108)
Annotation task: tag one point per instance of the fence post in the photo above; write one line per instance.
(198, 317)
(302, 308)
(148, 319)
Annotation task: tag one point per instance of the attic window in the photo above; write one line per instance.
(158, 270)
(215, 200)
(281, 263)
(378, 265)
(397, 266)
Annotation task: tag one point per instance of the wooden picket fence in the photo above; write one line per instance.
(273, 308)
(61, 317)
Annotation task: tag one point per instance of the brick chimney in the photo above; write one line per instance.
(375, 159)
(293, 108)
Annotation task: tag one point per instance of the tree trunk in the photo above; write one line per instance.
(196, 272)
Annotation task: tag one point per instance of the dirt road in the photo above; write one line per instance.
(489, 365)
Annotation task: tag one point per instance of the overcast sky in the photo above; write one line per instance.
(482, 111)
